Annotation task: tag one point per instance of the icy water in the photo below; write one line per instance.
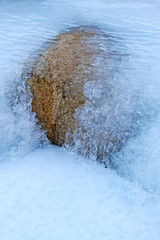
(49, 193)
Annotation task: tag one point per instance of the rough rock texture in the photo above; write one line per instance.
(57, 81)
(77, 96)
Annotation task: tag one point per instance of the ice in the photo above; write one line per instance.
(52, 194)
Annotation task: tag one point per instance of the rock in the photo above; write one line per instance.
(77, 97)
(57, 81)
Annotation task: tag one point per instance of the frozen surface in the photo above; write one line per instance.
(52, 194)
(47, 193)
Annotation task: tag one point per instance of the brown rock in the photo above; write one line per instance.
(57, 81)
(77, 97)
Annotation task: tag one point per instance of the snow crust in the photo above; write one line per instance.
(52, 194)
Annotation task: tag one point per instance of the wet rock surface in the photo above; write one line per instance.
(76, 94)
(57, 81)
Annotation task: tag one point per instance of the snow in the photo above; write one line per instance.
(53, 194)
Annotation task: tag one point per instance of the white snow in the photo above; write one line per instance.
(52, 194)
